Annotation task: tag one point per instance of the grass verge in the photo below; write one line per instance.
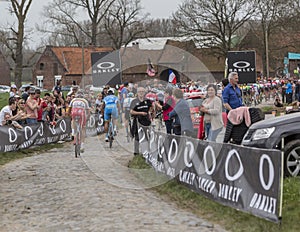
(6, 157)
(229, 218)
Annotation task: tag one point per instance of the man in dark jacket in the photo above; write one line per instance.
(140, 109)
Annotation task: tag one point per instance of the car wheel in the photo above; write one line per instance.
(292, 158)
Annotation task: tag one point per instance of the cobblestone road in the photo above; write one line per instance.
(56, 192)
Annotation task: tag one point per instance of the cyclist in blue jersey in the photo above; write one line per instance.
(111, 106)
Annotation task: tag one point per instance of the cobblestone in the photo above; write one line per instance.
(55, 191)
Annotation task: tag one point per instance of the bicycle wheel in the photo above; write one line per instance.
(77, 141)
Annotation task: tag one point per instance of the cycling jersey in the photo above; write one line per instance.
(79, 107)
(111, 102)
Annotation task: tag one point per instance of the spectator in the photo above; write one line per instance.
(283, 91)
(297, 91)
(42, 105)
(139, 109)
(98, 103)
(45, 114)
(212, 109)
(51, 108)
(277, 102)
(25, 94)
(57, 88)
(6, 112)
(31, 108)
(192, 87)
(17, 99)
(105, 90)
(7, 121)
(167, 107)
(22, 111)
(225, 82)
(60, 111)
(183, 124)
(232, 94)
(73, 90)
(67, 106)
(13, 90)
(289, 92)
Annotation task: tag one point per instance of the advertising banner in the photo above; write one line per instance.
(244, 178)
(106, 68)
(13, 139)
(244, 63)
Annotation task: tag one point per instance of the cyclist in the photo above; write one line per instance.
(111, 106)
(80, 107)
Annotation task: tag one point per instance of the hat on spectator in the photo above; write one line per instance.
(17, 96)
(13, 86)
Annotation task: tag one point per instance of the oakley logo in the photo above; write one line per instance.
(241, 64)
(106, 65)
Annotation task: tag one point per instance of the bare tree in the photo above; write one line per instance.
(213, 23)
(273, 21)
(160, 28)
(122, 23)
(14, 40)
(66, 19)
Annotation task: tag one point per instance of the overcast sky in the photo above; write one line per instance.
(156, 8)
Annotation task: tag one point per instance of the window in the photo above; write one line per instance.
(42, 66)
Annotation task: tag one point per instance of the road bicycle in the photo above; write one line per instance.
(77, 137)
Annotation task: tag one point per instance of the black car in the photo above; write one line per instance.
(269, 133)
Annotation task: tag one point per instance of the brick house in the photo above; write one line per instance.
(5, 78)
(191, 62)
(65, 64)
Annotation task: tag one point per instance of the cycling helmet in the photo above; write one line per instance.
(79, 94)
(111, 91)
(130, 94)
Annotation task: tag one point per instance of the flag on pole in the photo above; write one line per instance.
(150, 69)
(172, 77)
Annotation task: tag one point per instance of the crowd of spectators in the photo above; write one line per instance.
(29, 107)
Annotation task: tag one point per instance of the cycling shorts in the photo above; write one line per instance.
(110, 112)
(127, 113)
(79, 112)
